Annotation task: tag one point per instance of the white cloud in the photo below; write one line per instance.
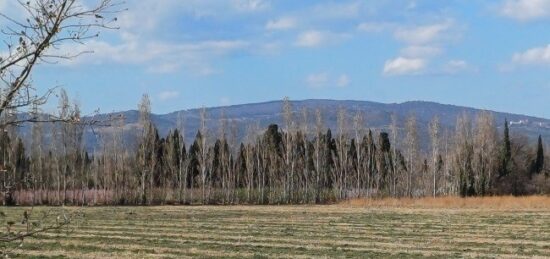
(11, 9)
(524, 10)
(166, 68)
(423, 44)
(3, 6)
(281, 24)
(321, 80)
(411, 5)
(144, 26)
(337, 10)
(420, 51)
(310, 39)
(540, 55)
(343, 81)
(422, 34)
(251, 5)
(168, 95)
(374, 26)
(317, 80)
(456, 66)
(224, 101)
(404, 66)
(159, 57)
(144, 10)
(268, 48)
(319, 14)
(315, 38)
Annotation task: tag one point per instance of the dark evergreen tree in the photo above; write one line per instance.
(384, 162)
(273, 139)
(240, 167)
(538, 163)
(21, 165)
(506, 152)
(193, 161)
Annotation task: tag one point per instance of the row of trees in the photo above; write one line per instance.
(292, 164)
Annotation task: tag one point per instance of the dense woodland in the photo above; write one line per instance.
(289, 164)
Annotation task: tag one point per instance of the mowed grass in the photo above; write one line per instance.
(295, 232)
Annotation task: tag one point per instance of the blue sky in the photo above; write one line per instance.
(192, 53)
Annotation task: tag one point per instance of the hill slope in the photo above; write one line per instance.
(377, 116)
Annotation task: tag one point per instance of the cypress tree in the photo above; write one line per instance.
(507, 144)
(506, 154)
(538, 164)
(241, 167)
(193, 158)
(21, 163)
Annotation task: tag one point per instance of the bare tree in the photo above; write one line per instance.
(342, 154)
(203, 155)
(435, 139)
(38, 37)
(320, 156)
(307, 153)
(412, 152)
(289, 155)
(358, 126)
(249, 162)
(37, 168)
(184, 163)
(394, 170)
(464, 181)
(146, 145)
(120, 158)
(447, 169)
(485, 151)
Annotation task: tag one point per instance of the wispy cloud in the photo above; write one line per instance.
(422, 34)
(525, 10)
(158, 57)
(343, 80)
(317, 80)
(13, 10)
(425, 45)
(284, 23)
(324, 79)
(168, 95)
(421, 51)
(375, 26)
(251, 5)
(315, 38)
(310, 39)
(142, 39)
(538, 55)
(338, 9)
(404, 66)
(224, 101)
(457, 66)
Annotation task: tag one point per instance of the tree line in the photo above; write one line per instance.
(289, 164)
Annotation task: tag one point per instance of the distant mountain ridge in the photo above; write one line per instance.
(377, 116)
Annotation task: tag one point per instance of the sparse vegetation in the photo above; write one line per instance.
(451, 228)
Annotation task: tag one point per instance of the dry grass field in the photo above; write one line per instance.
(439, 228)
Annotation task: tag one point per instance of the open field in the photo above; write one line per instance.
(345, 230)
